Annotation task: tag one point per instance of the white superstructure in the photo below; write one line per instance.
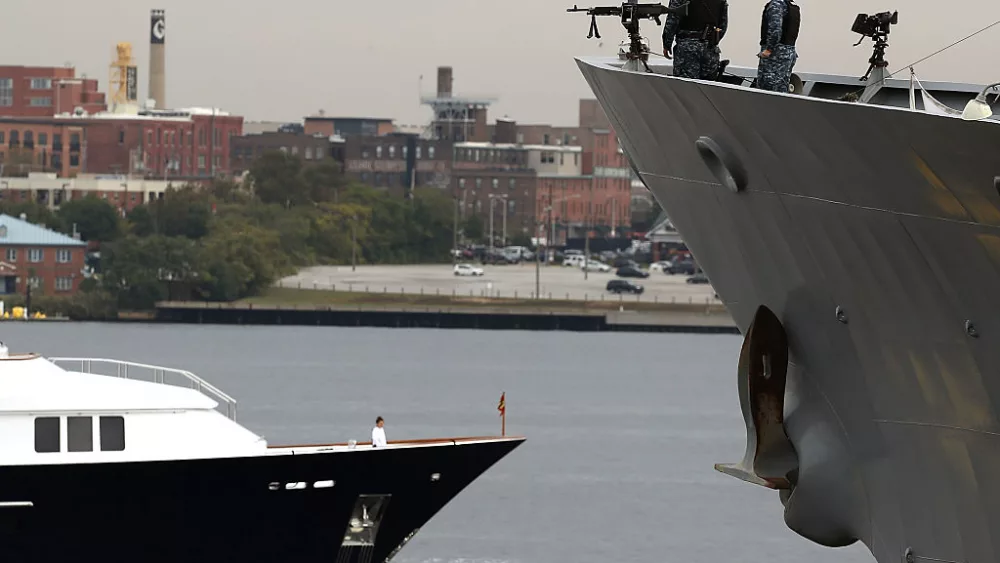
(51, 415)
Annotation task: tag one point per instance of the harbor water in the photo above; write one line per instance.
(623, 429)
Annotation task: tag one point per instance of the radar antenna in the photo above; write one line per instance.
(631, 13)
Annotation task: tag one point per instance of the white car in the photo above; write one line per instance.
(467, 270)
(660, 266)
(595, 266)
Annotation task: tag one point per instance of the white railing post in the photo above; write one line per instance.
(159, 376)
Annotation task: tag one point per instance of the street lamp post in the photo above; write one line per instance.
(491, 225)
(540, 228)
(493, 199)
(454, 242)
(354, 244)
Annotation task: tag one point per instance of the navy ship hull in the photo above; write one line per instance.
(276, 507)
(873, 234)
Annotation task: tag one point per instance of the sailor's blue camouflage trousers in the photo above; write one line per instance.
(774, 72)
(694, 58)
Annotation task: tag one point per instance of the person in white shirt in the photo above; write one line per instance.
(378, 433)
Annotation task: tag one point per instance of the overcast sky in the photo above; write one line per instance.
(282, 60)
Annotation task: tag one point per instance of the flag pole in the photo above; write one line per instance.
(502, 407)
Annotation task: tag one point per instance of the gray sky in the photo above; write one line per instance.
(282, 60)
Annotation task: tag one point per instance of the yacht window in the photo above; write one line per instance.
(80, 433)
(47, 434)
(112, 434)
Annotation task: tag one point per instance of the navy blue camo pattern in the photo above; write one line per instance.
(775, 71)
(694, 58)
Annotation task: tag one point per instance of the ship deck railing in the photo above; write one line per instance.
(158, 374)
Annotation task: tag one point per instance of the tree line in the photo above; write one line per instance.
(232, 240)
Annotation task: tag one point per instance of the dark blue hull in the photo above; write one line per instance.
(226, 509)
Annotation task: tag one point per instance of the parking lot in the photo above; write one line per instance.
(509, 281)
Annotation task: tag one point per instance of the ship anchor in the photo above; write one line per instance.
(770, 457)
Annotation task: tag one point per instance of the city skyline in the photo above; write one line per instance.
(277, 62)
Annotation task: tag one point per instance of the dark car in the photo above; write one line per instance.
(684, 267)
(631, 272)
(623, 286)
(700, 277)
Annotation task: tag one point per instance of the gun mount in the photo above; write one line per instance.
(875, 27)
(631, 13)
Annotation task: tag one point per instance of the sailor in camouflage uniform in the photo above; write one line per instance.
(779, 30)
(698, 35)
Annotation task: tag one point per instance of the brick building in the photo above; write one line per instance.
(120, 191)
(615, 188)
(46, 91)
(51, 262)
(185, 143)
(387, 161)
(247, 148)
(348, 126)
(534, 186)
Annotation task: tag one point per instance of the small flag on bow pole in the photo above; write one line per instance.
(502, 407)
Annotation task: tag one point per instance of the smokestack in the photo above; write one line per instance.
(158, 57)
(444, 81)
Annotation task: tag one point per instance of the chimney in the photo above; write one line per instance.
(444, 82)
(158, 57)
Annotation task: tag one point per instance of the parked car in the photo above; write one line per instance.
(623, 286)
(574, 260)
(468, 270)
(684, 267)
(660, 266)
(700, 277)
(631, 272)
(595, 266)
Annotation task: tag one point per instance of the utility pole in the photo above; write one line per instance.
(586, 235)
(454, 244)
(491, 225)
(354, 244)
(504, 200)
(539, 229)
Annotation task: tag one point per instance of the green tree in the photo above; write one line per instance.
(277, 178)
(229, 191)
(184, 212)
(241, 259)
(137, 270)
(473, 228)
(94, 218)
(323, 180)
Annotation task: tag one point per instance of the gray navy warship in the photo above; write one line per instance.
(853, 230)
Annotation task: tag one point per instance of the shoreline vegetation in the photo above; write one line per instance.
(231, 241)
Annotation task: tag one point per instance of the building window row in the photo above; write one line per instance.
(43, 102)
(6, 92)
(41, 83)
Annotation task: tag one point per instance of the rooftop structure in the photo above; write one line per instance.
(18, 232)
(456, 118)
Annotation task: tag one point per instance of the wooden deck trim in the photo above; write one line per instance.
(428, 441)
